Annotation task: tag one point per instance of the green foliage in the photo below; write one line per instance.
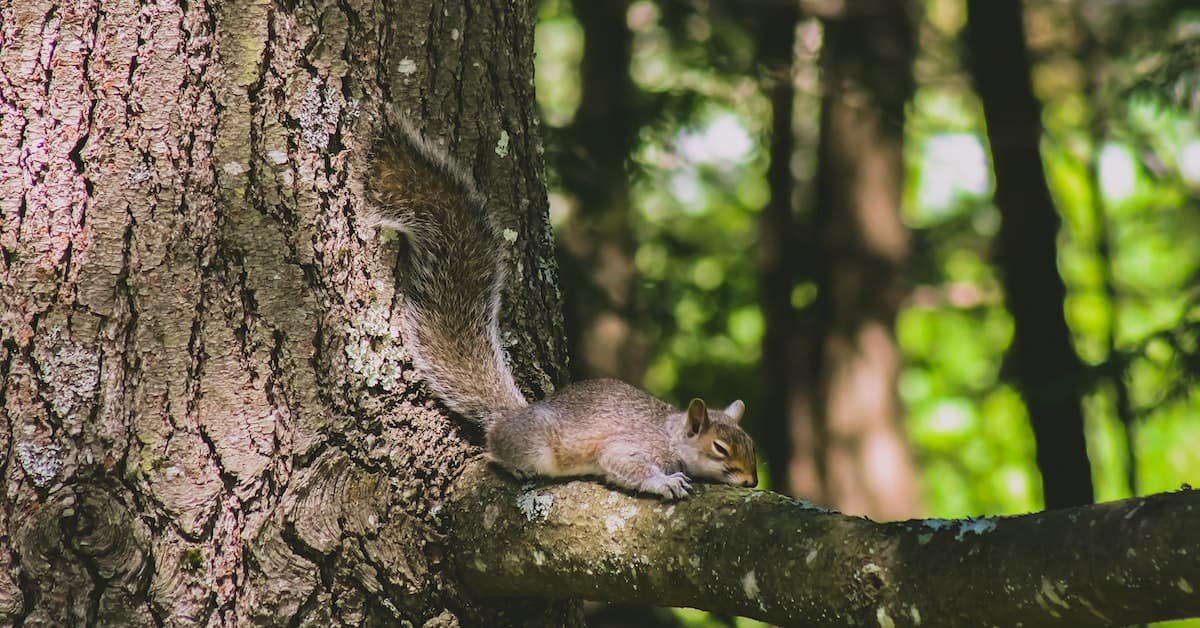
(699, 181)
(696, 223)
(1129, 256)
(1169, 73)
(556, 74)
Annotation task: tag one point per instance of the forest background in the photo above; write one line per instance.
(799, 208)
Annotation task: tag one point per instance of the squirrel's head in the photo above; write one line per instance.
(717, 448)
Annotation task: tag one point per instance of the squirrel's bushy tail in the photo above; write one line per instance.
(453, 279)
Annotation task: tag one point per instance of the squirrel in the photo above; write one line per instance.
(449, 321)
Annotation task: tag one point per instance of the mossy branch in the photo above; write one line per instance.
(763, 555)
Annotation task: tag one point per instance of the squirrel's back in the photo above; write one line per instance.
(565, 433)
(452, 285)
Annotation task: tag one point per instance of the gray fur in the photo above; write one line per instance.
(603, 427)
(450, 325)
(456, 270)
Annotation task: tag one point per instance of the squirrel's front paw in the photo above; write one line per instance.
(673, 486)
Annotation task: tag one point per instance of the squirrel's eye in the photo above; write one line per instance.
(720, 449)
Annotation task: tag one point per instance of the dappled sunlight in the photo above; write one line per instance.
(1189, 162)
(954, 168)
(1117, 178)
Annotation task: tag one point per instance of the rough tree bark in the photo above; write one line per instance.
(1045, 366)
(207, 413)
(208, 418)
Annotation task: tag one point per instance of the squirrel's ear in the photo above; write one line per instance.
(697, 417)
(735, 410)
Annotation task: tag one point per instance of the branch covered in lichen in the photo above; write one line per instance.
(763, 555)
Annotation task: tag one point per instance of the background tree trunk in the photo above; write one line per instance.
(852, 362)
(778, 255)
(597, 244)
(1043, 360)
(207, 413)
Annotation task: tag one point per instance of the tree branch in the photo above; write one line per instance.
(1122, 562)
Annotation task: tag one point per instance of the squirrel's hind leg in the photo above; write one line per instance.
(525, 453)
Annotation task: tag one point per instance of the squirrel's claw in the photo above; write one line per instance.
(673, 486)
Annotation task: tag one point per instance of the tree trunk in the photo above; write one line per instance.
(853, 362)
(1043, 360)
(778, 258)
(208, 416)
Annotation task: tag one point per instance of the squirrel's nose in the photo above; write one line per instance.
(750, 482)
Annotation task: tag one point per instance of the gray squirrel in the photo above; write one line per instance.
(449, 321)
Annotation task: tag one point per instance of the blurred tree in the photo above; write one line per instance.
(596, 244)
(778, 268)
(1090, 53)
(851, 362)
(1043, 360)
